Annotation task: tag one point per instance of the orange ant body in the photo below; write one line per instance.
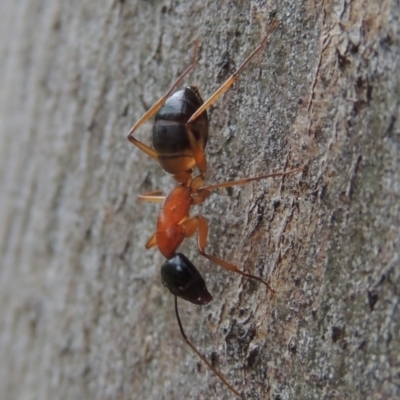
(180, 134)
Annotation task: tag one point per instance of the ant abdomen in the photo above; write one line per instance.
(170, 138)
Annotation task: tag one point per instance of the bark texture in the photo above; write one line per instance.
(84, 315)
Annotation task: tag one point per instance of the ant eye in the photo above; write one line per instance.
(182, 278)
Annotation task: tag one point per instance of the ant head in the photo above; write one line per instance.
(182, 278)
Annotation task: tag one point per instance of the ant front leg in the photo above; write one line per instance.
(153, 110)
(152, 242)
(200, 224)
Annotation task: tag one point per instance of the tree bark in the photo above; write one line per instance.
(84, 314)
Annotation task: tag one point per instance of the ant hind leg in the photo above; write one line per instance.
(149, 113)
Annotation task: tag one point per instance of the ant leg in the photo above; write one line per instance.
(200, 224)
(230, 81)
(148, 114)
(190, 226)
(152, 242)
(200, 196)
(185, 338)
(197, 183)
(156, 196)
(247, 180)
(198, 152)
(184, 177)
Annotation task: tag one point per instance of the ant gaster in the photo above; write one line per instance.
(180, 134)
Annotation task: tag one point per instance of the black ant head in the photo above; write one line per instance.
(182, 278)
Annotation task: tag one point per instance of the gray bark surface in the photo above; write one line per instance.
(84, 314)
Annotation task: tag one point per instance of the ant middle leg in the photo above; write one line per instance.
(156, 196)
(244, 181)
(200, 224)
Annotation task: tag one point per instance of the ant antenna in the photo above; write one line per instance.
(220, 376)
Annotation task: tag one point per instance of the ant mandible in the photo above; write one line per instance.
(180, 134)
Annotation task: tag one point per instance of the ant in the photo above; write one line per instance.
(180, 134)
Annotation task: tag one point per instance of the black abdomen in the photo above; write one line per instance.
(170, 138)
